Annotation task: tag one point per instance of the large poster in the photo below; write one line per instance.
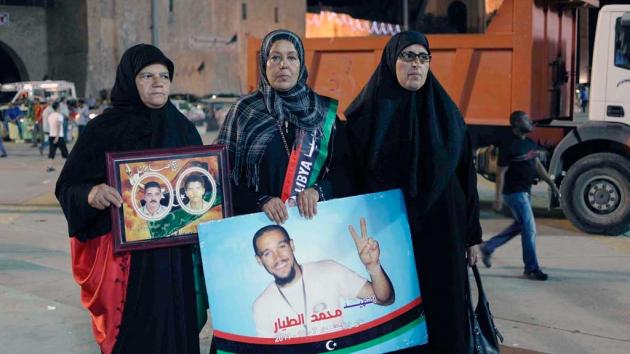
(344, 281)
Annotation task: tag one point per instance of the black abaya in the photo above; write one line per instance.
(440, 238)
(160, 310)
(417, 141)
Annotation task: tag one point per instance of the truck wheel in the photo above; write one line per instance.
(596, 194)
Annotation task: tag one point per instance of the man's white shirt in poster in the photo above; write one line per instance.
(326, 283)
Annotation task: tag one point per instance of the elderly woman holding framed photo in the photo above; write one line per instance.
(142, 301)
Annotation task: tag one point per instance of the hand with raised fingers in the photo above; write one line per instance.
(368, 248)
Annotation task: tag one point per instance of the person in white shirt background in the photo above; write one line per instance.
(56, 136)
(67, 123)
(45, 126)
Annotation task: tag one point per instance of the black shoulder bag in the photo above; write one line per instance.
(483, 333)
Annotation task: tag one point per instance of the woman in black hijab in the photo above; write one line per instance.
(143, 301)
(283, 126)
(407, 133)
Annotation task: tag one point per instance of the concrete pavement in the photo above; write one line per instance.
(583, 308)
(40, 308)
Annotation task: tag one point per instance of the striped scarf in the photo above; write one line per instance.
(253, 121)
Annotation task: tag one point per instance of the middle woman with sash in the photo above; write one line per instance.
(285, 143)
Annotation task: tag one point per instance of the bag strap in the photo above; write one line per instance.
(482, 294)
(482, 299)
(469, 302)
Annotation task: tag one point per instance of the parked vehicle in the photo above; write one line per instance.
(29, 90)
(217, 106)
(25, 92)
(192, 98)
(191, 111)
(526, 60)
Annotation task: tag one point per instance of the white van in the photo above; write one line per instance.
(43, 90)
(27, 91)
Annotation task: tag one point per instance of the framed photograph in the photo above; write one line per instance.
(344, 281)
(166, 194)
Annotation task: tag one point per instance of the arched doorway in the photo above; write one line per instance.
(12, 68)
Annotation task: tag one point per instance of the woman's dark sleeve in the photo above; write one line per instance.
(193, 134)
(338, 181)
(245, 200)
(468, 179)
(358, 158)
(84, 168)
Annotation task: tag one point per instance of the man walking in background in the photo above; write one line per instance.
(518, 166)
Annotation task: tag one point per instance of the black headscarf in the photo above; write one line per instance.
(430, 129)
(252, 122)
(126, 99)
(129, 125)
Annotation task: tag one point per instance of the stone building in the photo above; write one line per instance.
(82, 40)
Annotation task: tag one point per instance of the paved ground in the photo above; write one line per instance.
(583, 308)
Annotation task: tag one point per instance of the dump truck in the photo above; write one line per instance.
(527, 59)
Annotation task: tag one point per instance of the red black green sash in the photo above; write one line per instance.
(308, 156)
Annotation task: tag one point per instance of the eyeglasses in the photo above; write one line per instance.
(149, 77)
(410, 57)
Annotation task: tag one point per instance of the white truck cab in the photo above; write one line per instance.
(591, 164)
(610, 79)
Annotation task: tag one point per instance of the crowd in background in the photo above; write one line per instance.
(27, 120)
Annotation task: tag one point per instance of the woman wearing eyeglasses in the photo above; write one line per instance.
(406, 132)
(285, 143)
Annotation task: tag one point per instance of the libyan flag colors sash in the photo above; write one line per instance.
(308, 156)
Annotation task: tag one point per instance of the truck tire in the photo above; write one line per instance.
(596, 194)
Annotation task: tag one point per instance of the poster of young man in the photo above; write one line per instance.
(343, 280)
